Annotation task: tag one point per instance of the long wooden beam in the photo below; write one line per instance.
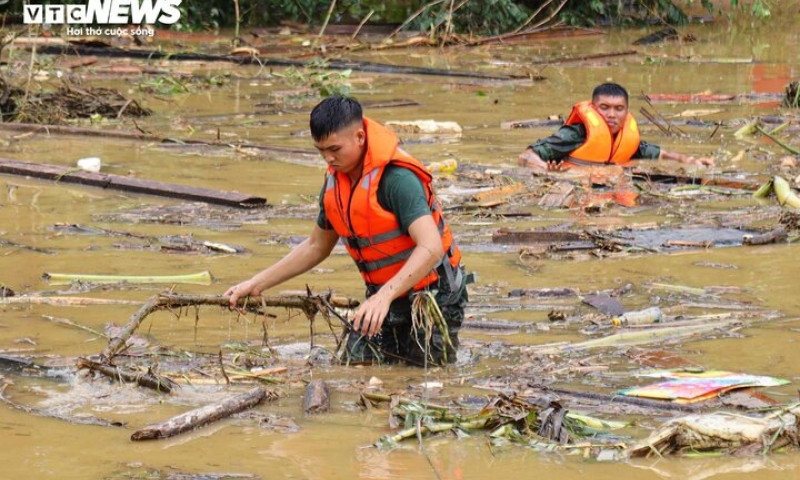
(117, 182)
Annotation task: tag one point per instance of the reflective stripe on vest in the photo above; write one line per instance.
(370, 233)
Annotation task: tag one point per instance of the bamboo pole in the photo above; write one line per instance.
(203, 415)
(200, 278)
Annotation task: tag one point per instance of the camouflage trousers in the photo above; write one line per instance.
(398, 341)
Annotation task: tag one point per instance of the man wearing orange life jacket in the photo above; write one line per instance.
(600, 132)
(380, 202)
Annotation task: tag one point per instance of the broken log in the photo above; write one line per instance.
(123, 374)
(306, 303)
(728, 182)
(203, 415)
(504, 236)
(776, 236)
(118, 182)
(317, 398)
(583, 58)
(264, 62)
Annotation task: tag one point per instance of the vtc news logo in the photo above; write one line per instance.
(105, 12)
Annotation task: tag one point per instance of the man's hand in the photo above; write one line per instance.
(530, 159)
(554, 166)
(371, 314)
(243, 289)
(679, 157)
(701, 161)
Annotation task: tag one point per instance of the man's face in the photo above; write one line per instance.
(613, 109)
(343, 150)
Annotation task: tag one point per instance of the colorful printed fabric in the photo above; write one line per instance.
(688, 387)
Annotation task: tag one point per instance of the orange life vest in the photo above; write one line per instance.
(600, 145)
(371, 234)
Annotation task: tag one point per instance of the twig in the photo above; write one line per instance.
(222, 367)
(655, 122)
(669, 124)
(533, 15)
(517, 31)
(327, 19)
(413, 16)
(360, 25)
(238, 20)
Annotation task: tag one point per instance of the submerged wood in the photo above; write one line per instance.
(147, 380)
(8, 243)
(317, 398)
(659, 177)
(80, 420)
(146, 137)
(118, 182)
(203, 415)
(255, 60)
(639, 402)
(157, 302)
(64, 301)
(583, 58)
(534, 236)
(544, 292)
(775, 236)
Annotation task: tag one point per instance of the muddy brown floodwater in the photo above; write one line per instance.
(725, 59)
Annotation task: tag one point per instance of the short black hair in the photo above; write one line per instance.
(610, 90)
(333, 114)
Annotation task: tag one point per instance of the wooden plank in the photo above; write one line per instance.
(130, 135)
(716, 181)
(558, 196)
(532, 123)
(534, 236)
(117, 182)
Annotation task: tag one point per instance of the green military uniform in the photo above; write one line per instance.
(400, 192)
(559, 145)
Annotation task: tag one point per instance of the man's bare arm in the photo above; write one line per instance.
(316, 248)
(689, 160)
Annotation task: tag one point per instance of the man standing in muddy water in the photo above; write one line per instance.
(598, 132)
(380, 202)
